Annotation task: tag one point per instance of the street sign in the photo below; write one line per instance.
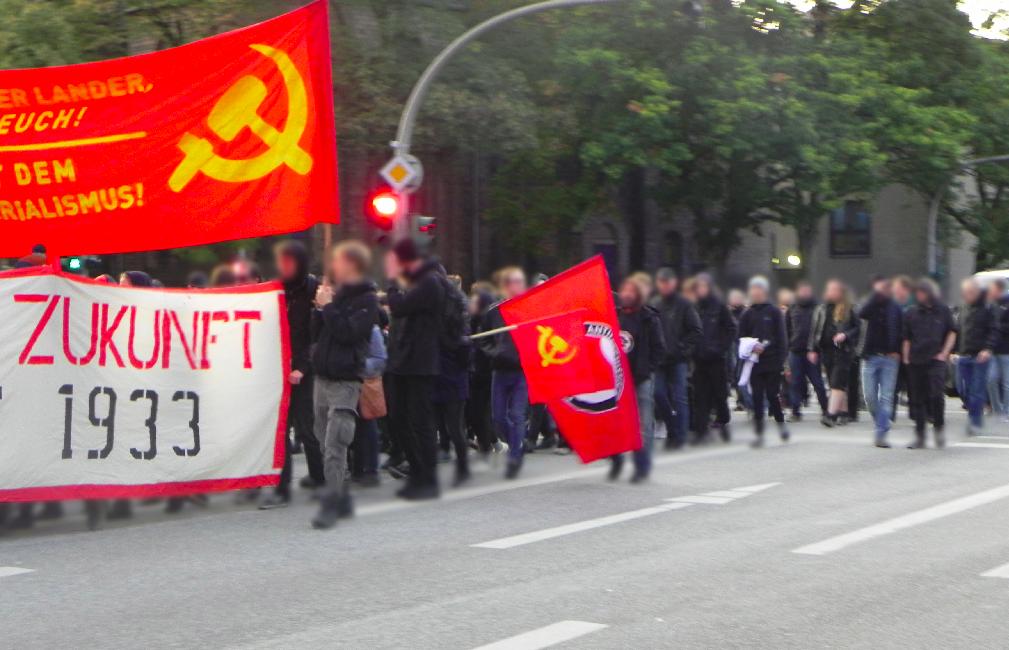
(402, 173)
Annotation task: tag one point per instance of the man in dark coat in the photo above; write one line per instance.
(799, 322)
(291, 260)
(718, 332)
(765, 322)
(979, 336)
(681, 329)
(416, 296)
(929, 337)
(879, 348)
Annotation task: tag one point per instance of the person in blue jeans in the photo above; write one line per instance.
(681, 330)
(799, 322)
(880, 348)
(998, 367)
(979, 335)
(641, 336)
(509, 393)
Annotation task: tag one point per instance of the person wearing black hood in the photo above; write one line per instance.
(929, 336)
(718, 332)
(416, 297)
(765, 322)
(799, 322)
(346, 315)
(291, 259)
(478, 407)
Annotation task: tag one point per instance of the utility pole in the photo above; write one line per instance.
(404, 134)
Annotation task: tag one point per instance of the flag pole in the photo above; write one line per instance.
(509, 328)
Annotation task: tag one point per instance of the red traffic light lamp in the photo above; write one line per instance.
(384, 207)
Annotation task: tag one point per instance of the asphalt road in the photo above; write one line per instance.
(824, 543)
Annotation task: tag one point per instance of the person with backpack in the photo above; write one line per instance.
(416, 297)
(344, 321)
(451, 387)
(509, 393)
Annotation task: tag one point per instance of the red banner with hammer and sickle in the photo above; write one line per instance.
(225, 138)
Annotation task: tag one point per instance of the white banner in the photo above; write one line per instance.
(109, 392)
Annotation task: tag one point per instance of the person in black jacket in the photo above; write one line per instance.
(478, 407)
(641, 337)
(681, 330)
(998, 375)
(291, 259)
(451, 387)
(979, 335)
(832, 339)
(799, 322)
(416, 296)
(718, 332)
(509, 392)
(765, 322)
(929, 337)
(347, 313)
(879, 347)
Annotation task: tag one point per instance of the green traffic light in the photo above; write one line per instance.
(74, 264)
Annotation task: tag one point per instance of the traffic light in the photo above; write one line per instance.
(74, 264)
(425, 226)
(383, 208)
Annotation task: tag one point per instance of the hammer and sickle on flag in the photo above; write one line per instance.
(553, 349)
(237, 109)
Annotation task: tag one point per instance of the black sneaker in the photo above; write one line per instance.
(275, 501)
(512, 470)
(616, 466)
(420, 493)
(726, 432)
(827, 421)
(328, 515)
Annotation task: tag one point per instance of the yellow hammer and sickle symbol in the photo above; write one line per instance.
(237, 109)
(554, 350)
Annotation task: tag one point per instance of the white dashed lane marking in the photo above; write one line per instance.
(545, 637)
(677, 503)
(905, 521)
(6, 571)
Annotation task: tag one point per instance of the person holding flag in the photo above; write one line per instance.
(509, 392)
(643, 343)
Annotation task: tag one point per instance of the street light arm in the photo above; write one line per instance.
(404, 135)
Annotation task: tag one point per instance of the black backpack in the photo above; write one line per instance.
(454, 335)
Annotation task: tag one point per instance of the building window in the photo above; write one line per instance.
(850, 230)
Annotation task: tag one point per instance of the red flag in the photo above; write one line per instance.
(602, 419)
(224, 138)
(555, 358)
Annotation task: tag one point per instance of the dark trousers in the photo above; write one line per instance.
(449, 419)
(926, 384)
(671, 401)
(802, 369)
(411, 414)
(510, 407)
(300, 417)
(540, 422)
(478, 413)
(710, 393)
(365, 448)
(766, 390)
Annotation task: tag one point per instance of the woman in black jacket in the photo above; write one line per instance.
(765, 322)
(832, 340)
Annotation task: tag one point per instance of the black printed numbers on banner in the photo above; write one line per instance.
(194, 423)
(151, 423)
(102, 413)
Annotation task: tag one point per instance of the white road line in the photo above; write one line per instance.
(905, 521)
(545, 637)
(595, 471)
(702, 499)
(997, 572)
(568, 529)
(982, 445)
(6, 571)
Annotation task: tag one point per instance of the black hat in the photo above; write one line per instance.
(406, 251)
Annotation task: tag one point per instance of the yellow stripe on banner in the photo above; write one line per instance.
(83, 142)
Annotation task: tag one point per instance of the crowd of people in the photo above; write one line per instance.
(397, 380)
